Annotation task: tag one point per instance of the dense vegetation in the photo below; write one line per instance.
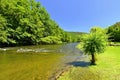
(76, 36)
(26, 22)
(114, 32)
(93, 43)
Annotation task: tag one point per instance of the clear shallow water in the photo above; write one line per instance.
(35, 62)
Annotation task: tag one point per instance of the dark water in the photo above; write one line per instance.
(36, 62)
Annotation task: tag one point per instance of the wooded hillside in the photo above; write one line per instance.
(26, 22)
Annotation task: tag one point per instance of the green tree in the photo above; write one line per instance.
(94, 42)
(27, 22)
(114, 32)
(3, 33)
(51, 40)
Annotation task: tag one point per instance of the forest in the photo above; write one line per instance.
(27, 22)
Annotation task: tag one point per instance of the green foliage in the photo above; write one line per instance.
(65, 37)
(114, 32)
(3, 33)
(51, 40)
(25, 22)
(94, 42)
(99, 30)
(76, 36)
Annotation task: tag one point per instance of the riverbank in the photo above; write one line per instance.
(107, 68)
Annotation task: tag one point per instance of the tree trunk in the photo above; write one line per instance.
(93, 59)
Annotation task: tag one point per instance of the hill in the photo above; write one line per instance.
(76, 36)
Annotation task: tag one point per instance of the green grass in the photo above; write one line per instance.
(107, 68)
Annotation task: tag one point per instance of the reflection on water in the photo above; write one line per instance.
(34, 50)
(36, 62)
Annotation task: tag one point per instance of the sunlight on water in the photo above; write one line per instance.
(35, 62)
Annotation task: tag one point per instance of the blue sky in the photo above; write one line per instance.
(81, 15)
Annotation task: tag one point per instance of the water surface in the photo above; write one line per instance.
(35, 62)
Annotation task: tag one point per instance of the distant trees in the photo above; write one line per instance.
(94, 42)
(26, 22)
(114, 32)
(76, 36)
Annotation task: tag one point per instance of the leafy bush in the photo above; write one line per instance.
(51, 40)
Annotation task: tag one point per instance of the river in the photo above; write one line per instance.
(42, 62)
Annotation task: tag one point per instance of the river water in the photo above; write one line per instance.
(42, 62)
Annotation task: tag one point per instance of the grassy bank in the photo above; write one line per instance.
(107, 68)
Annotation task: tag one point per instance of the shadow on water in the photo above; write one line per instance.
(79, 63)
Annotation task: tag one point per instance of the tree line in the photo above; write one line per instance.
(26, 22)
(114, 32)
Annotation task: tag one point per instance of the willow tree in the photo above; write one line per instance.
(93, 43)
